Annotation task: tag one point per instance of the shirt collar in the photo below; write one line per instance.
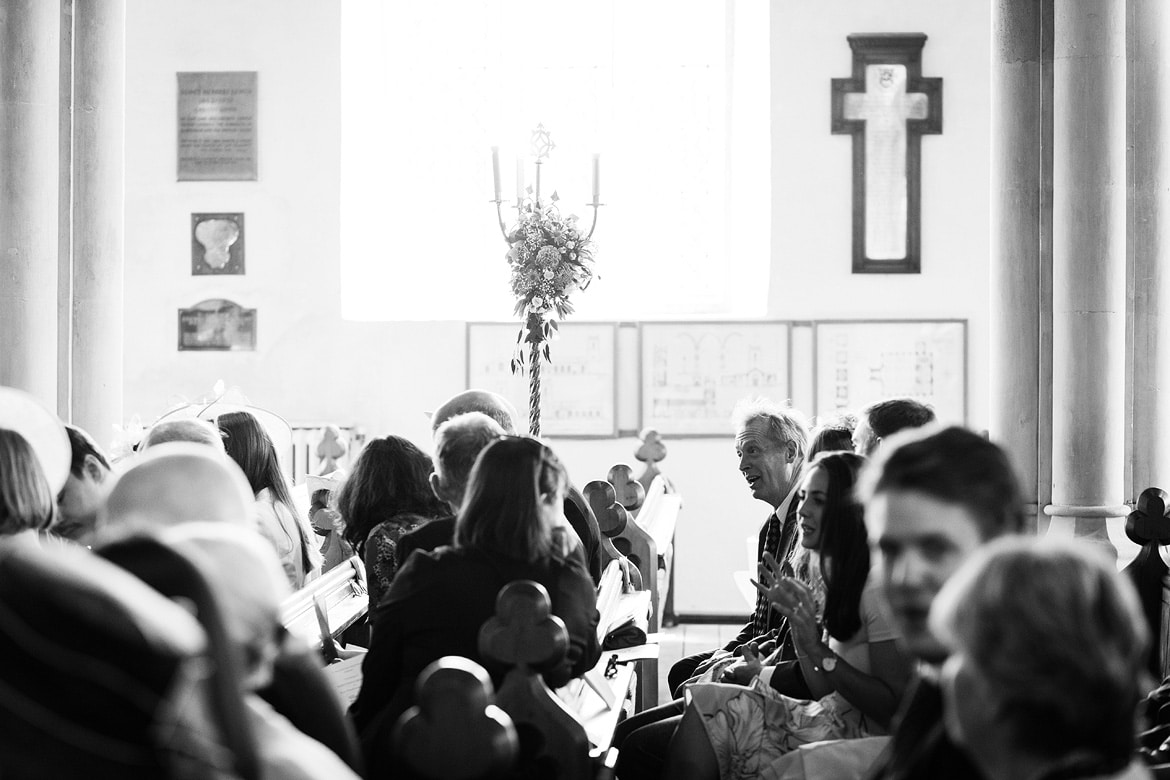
(782, 510)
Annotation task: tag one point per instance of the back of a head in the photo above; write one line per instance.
(1059, 638)
(955, 466)
(501, 509)
(189, 429)
(458, 443)
(493, 405)
(26, 501)
(175, 483)
(888, 417)
(249, 445)
(831, 437)
(390, 477)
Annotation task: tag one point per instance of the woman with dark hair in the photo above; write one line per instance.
(27, 505)
(508, 529)
(385, 496)
(250, 446)
(851, 664)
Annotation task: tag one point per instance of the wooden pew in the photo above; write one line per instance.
(328, 605)
(524, 635)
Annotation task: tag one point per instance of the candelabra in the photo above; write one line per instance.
(549, 257)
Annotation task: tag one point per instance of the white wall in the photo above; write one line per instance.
(311, 366)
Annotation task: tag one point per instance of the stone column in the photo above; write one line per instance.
(1150, 80)
(1088, 273)
(1016, 143)
(29, 62)
(99, 100)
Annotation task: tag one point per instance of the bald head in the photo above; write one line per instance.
(175, 483)
(493, 405)
(190, 429)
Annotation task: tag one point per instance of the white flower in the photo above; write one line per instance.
(537, 302)
(548, 274)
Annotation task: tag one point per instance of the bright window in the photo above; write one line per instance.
(673, 95)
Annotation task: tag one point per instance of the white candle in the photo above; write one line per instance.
(496, 170)
(519, 180)
(596, 179)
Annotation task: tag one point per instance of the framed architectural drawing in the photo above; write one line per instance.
(578, 388)
(858, 363)
(693, 373)
(217, 244)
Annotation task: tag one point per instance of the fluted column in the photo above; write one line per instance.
(30, 64)
(1150, 58)
(1088, 273)
(99, 99)
(1016, 141)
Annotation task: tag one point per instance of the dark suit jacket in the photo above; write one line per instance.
(782, 551)
(435, 607)
(919, 747)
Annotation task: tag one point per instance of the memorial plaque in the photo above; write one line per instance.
(217, 126)
(217, 325)
(217, 244)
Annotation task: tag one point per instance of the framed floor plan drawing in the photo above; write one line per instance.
(578, 388)
(858, 363)
(693, 373)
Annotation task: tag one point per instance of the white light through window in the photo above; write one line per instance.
(674, 95)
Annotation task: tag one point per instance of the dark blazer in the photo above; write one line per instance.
(435, 607)
(783, 549)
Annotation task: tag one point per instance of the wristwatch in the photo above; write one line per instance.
(827, 664)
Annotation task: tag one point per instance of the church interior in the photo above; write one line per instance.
(316, 212)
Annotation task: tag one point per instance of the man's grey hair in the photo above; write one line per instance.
(458, 442)
(785, 424)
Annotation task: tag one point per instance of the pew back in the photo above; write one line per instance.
(339, 595)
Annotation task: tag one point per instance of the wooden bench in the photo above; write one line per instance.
(328, 605)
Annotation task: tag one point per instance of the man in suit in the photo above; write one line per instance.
(499, 409)
(771, 443)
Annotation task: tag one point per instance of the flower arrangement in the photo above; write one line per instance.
(550, 259)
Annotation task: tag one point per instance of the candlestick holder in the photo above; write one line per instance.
(550, 258)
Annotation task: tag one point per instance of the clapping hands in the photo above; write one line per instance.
(791, 597)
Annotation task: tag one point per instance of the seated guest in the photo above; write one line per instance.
(190, 429)
(251, 583)
(885, 418)
(27, 507)
(506, 531)
(385, 496)
(177, 483)
(931, 500)
(576, 509)
(771, 443)
(852, 666)
(1047, 653)
(249, 445)
(85, 488)
(458, 443)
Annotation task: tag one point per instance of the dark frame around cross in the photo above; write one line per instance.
(888, 49)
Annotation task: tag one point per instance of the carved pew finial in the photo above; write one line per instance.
(651, 452)
(629, 491)
(524, 635)
(612, 519)
(1148, 526)
(456, 731)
